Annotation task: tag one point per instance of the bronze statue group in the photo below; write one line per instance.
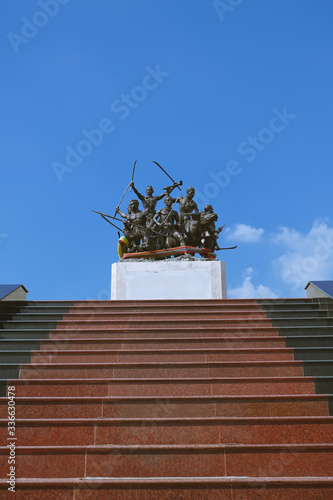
(150, 229)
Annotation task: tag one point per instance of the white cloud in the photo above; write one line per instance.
(247, 290)
(244, 234)
(308, 256)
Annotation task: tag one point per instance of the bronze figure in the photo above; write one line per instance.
(186, 206)
(167, 219)
(209, 232)
(135, 227)
(149, 201)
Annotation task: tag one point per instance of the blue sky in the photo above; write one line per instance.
(233, 97)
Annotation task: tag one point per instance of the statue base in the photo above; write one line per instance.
(169, 279)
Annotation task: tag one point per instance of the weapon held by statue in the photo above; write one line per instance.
(107, 220)
(166, 173)
(132, 180)
(106, 215)
(121, 199)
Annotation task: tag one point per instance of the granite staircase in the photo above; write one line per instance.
(200, 399)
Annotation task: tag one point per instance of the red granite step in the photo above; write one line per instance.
(259, 386)
(163, 370)
(165, 323)
(171, 407)
(270, 460)
(274, 430)
(150, 355)
(150, 331)
(209, 407)
(197, 314)
(167, 304)
(174, 307)
(175, 488)
(170, 431)
(162, 343)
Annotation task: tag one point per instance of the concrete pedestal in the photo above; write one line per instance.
(168, 279)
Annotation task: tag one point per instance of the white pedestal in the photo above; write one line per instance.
(168, 280)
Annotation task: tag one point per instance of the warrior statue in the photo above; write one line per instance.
(165, 232)
(186, 206)
(135, 227)
(209, 232)
(149, 201)
(167, 220)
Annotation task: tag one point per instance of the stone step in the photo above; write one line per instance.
(272, 460)
(147, 343)
(151, 333)
(296, 326)
(166, 355)
(318, 368)
(211, 321)
(170, 431)
(179, 314)
(28, 325)
(168, 303)
(304, 331)
(302, 322)
(165, 333)
(265, 303)
(313, 353)
(136, 333)
(144, 304)
(41, 303)
(297, 313)
(168, 407)
(127, 323)
(324, 385)
(183, 314)
(115, 318)
(162, 343)
(15, 357)
(184, 488)
(24, 334)
(169, 370)
(289, 302)
(20, 345)
(170, 387)
(309, 341)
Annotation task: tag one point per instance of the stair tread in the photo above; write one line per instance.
(170, 447)
(175, 479)
(107, 420)
(165, 351)
(168, 351)
(159, 380)
(95, 399)
(167, 364)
